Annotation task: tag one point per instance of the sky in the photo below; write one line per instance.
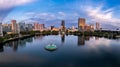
(51, 12)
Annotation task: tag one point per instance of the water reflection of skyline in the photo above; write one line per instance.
(19, 43)
(39, 37)
(81, 41)
(62, 39)
(1, 48)
(31, 51)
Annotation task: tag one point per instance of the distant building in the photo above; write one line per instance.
(97, 26)
(87, 28)
(7, 28)
(1, 30)
(38, 27)
(73, 27)
(81, 24)
(29, 27)
(52, 27)
(55, 29)
(14, 26)
(42, 26)
(92, 27)
(22, 26)
(63, 23)
(62, 28)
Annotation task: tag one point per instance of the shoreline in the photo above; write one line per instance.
(105, 34)
(16, 38)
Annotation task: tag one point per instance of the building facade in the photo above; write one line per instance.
(29, 27)
(81, 24)
(7, 28)
(14, 26)
(92, 27)
(38, 27)
(62, 28)
(97, 26)
(22, 26)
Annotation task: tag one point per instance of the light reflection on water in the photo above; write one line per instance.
(73, 51)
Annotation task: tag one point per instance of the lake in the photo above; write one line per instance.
(72, 51)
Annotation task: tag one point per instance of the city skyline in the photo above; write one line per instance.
(51, 12)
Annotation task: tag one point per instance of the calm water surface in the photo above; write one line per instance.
(73, 51)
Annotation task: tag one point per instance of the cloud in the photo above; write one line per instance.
(5, 4)
(53, 16)
(95, 44)
(46, 16)
(62, 14)
(97, 14)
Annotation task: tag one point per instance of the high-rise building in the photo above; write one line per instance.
(42, 26)
(81, 24)
(97, 26)
(38, 27)
(63, 23)
(87, 28)
(73, 27)
(14, 26)
(63, 26)
(6, 27)
(1, 30)
(29, 27)
(22, 26)
(92, 27)
(52, 27)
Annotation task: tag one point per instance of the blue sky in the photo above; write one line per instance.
(51, 12)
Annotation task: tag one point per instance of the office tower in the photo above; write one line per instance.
(81, 24)
(1, 30)
(92, 27)
(38, 27)
(73, 27)
(63, 23)
(10, 27)
(42, 26)
(6, 27)
(14, 26)
(29, 27)
(22, 26)
(87, 28)
(97, 26)
(63, 26)
(52, 27)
